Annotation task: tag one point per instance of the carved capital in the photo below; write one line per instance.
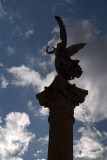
(61, 97)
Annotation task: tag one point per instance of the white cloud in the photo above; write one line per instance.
(42, 143)
(43, 140)
(94, 65)
(14, 137)
(53, 42)
(42, 51)
(90, 146)
(44, 111)
(29, 32)
(56, 30)
(10, 50)
(4, 82)
(82, 113)
(43, 65)
(41, 112)
(93, 62)
(24, 76)
(38, 152)
(30, 106)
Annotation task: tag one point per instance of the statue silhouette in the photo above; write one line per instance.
(65, 66)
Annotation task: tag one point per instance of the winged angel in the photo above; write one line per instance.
(65, 66)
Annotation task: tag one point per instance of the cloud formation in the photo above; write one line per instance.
(23, 33)
(29, 32)
(42, 112)
(42, 152)
(93, 62)
(90, 146)
(14, 137)
(4, 82)
(94, 79)
(24, 76)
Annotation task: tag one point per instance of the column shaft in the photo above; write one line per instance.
(60, 137)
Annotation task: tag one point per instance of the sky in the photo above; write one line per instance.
(26, 28)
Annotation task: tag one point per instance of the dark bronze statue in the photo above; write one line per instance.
(65, 66)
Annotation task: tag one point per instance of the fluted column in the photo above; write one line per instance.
(60, 137)
(61, 98)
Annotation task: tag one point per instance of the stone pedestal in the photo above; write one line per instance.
(61, 98)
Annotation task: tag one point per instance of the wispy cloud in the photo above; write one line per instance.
(38, 152)
(23, 33)
(4, 82)
(43, 140)
(16, 30)
(38, 112)
(52, 42)
(10, 50)
(29, 32)
(41, 153)
(14, 137)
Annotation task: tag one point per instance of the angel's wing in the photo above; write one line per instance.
(63, 36)
(70, 51)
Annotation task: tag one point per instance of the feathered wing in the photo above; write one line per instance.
(70, 51)
(63, 36)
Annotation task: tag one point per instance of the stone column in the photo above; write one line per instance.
(61, 98)
(61, 135)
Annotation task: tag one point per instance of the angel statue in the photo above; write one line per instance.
(65, 66)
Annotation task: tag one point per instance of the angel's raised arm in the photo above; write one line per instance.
(63, 35)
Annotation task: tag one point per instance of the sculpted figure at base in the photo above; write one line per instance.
(65, 66)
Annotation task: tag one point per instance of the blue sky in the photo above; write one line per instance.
(26, 28)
